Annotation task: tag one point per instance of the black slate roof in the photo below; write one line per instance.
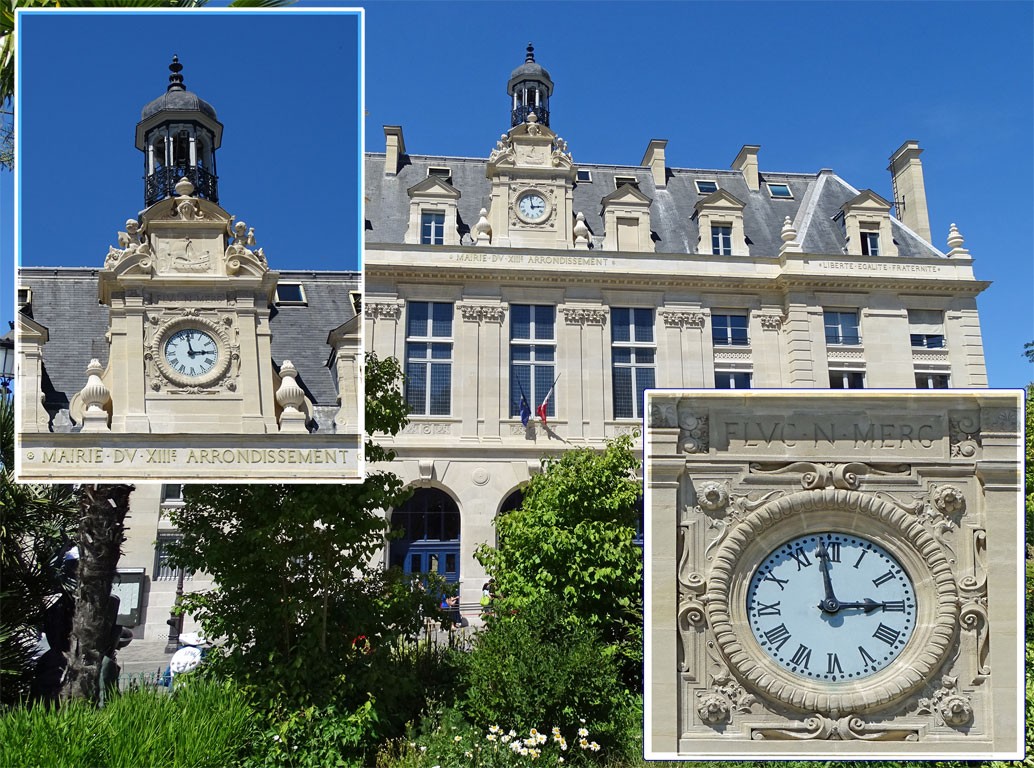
(64, 301)
(817, 198)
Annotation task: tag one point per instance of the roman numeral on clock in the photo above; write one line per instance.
(833, 663)
(801, 557)
(865, 656)
(780, 582)
(886, 634)
(881, 580)
(859, 560)
(833, 550)
(764, 609)
(894, 605)
(778, 636)
(802, 656)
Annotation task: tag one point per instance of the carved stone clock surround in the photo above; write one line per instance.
(732, 477)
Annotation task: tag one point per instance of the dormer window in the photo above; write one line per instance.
(721, 239)
(432, 228)
(445, 174)
(780, 192)
(630, 180)
(706, 186)
(584, 176)
(870, 243)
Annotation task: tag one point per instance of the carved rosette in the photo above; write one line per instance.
(694, 434)
(771, 322)
(999, 419)
(584, 316)
(382, 310)
(964, 436)
(482, 313)
(726, 696)
(713, 497)
(674, 318)
(948, 705)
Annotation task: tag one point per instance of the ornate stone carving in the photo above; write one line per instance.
(581, 231)
(132, 242)
(948, 500)
(964, 436)
(694, 435)
(237, 253)
(426, 428)
(824, 475)
(713, 497)
(676, 318)
(482, 232)
(383, 310)
(948, 704)
(844, 728)
(771, 322)
(999, 419)
(95, 396)
(291, 398)
(482, 313)
(662, 414)
(725, 697)
(584, 316)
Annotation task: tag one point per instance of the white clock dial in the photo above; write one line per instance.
(831, 606)
(191, 352)
(532, 206)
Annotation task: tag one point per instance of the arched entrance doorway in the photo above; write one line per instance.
(430, 543)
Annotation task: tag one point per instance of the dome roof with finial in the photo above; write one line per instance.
(177, 97)
(530, 70)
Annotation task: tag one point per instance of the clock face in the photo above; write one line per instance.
(532, 206)
(831, 607)
(191, 352)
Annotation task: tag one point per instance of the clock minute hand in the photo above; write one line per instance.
(190, 349)
(868, 604)
(829, 603)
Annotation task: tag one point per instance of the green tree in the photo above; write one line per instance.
(305, 617)
(573, 539)
(36, 521)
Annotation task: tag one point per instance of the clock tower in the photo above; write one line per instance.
(530, 169)
(189, 300)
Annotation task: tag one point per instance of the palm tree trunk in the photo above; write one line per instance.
(103, 511)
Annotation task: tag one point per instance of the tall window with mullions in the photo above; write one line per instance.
(632, 359)
(429, 358)
(532, 356)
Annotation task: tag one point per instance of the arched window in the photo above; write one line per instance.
(430, 540)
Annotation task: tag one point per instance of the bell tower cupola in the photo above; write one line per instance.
(178, 133)
(530, 87)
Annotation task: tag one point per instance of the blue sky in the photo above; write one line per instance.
(815, 84)
(285, 86)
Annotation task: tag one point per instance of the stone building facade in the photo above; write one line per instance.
(525, 274)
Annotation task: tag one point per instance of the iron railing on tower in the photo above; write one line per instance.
(162, 183)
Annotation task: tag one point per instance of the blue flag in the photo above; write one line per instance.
(525, 410)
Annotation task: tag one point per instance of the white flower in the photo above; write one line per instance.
(494, 729)
(457, 739)
(492, 737)
(504, 738)
(423, 749)
(276, 737)
(512, 733)
(560, 759)
(583, 732)
(468, 753)
(594, 746)
(581, 719)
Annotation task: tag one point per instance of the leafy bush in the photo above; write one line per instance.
(543, 667)
(573, 539)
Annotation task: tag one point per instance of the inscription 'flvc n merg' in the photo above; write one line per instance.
(888, 433)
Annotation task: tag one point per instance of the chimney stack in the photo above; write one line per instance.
(746, 162)
(654, 158)
(395, 148)
(906, 172)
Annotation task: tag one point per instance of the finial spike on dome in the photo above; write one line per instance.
(531, 54)
(175, 79)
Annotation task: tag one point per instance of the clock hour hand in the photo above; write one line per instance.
(829, 603)
(190, 349)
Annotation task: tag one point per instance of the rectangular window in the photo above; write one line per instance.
(926, 328)
(445, 174)
(290, 293)
(633, 355)
(631, 180)
(729, 330)
(721, 240)
(931, 381)
(432, 228)
(162, 570)
(532, 356)
(846, 380)
(841, 327)
(706, 186)
(584, 175)
(732, 379)
(870, 243)
(172, 493)
(780, 191)
(429, 358)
